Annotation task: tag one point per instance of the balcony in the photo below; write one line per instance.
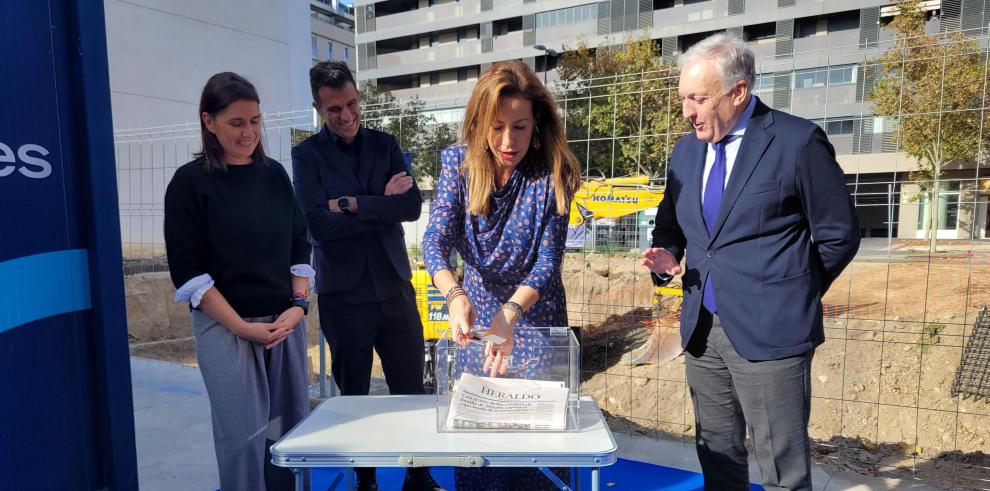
(511, 40)
(429, 14)
(565, 32)
(336, 7)
(331, 31)
(763, 49)
(434, 53)
(815, 102)
(694, 12)
(459, 91)
(836, 48)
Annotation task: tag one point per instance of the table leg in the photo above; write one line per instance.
(336, 481)
(556, 480)
(595, 476)
(300, 478)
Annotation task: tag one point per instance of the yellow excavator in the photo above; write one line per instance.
(605, 200)
(613, 198)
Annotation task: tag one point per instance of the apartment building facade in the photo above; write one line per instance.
(332, 31)
(813, 59)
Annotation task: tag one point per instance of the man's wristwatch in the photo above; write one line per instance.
(343, 203)
(302, 303)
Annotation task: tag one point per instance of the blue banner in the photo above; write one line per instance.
(31, 295)
(66, 412)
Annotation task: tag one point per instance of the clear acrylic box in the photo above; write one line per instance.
(543, 356)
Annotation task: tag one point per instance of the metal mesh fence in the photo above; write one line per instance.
(900, 322)
(148, 157)
(973, 375)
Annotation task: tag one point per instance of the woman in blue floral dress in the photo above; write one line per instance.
(502, 202)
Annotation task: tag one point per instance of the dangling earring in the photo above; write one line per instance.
(536, 138)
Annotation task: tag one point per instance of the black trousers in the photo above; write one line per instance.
(391, 327)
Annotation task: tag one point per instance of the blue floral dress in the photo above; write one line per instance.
(520, 242)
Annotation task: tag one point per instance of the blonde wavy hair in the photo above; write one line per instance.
(548, 152)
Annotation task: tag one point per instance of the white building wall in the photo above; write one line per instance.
(161, 52)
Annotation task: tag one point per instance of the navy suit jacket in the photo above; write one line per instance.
(319, 173)
(785, 230)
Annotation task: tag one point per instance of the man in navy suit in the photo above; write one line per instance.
(354, 190)
(757, 201)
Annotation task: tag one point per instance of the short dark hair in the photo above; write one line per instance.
(330, 74)
(222, 90)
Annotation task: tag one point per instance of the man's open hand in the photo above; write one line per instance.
(661, 261)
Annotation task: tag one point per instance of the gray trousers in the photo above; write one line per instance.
(730, 394)
(256, 396)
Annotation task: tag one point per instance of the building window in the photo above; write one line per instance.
(435, 78)
(347, 55)
(763, 82)
(329, 50)
(760, 32)
(820, 77)
(806, 79)
(842, 75)
(843, 21)
(839, 127)
(314, 50)
(570, 15)
(806, 27)
(884, 125)
(948, 207)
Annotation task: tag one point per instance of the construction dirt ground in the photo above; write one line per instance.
(881, 382)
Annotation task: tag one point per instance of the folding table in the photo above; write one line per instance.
(401, 431)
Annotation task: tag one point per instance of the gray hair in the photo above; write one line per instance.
(734, 60)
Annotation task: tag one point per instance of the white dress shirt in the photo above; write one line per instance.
(731, 148)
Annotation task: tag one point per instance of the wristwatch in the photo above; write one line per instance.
(302, 304)
(343, 203)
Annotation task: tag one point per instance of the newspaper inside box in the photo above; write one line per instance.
(538, 392)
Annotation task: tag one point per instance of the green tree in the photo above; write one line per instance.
(621, 107)
(416, 130)
(437, 137)
(934, 87)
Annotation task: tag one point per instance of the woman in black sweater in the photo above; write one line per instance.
(238, 253)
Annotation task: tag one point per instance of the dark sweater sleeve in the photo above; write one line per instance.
(301, 248)
(185, 241)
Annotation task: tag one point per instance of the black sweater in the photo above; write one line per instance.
(243, 227)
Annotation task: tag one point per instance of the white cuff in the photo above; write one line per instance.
(193, 290)
(302, 271)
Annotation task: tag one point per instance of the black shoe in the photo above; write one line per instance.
(367, 486)
(419, 479)
(366, 480)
